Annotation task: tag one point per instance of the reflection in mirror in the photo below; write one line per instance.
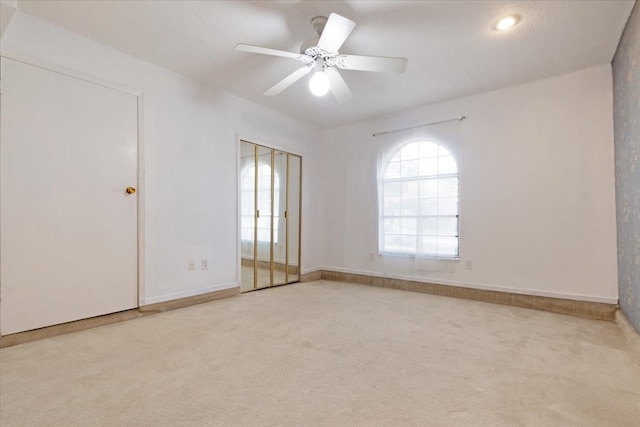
(294, 179)
(279, 221)
(264, 194)
(247, 215)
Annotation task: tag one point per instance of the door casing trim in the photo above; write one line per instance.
(140, 184)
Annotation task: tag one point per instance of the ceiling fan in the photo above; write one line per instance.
(321, 53)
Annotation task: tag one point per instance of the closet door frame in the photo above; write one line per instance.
(274, 148)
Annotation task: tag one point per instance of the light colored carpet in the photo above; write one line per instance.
(328, 354)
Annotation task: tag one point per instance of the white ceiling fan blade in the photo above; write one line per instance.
(274, 52)
(372, 63)
(338, 86)
(335, 32)
(289, 80)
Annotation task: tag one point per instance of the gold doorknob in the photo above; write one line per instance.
(130, 190)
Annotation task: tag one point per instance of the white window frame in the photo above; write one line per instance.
(390, 220)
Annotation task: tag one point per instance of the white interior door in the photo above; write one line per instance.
(68, 228)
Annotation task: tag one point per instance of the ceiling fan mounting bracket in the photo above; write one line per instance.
(318, 23)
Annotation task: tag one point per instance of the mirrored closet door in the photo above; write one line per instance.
(269, 216)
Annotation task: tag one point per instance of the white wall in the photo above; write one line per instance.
(190, 155)
(536, 180)
(536, 189)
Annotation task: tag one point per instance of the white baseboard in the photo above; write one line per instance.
(482, 286)
(189, 293)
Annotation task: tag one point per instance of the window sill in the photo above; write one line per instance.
(429, 257)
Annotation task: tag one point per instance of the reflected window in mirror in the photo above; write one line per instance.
(247, 203)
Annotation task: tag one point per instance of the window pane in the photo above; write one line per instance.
(428, 245)
(428, 206)
(391, 207)
(448, 187)
(448, 246)
(392, 189)
(429, 167)
(410, 189)
(448, 206)
(392, 171)
(408, 244)
(409, 207)
(409, 168)
(428, 149)
(408, 226)
(392, 225)
(392, 243)
(447, 226)
(410, 151)
(428, 188)
(428, 226)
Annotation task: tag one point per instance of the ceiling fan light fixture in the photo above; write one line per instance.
(319, 83)
(507, 22)
(321, 54)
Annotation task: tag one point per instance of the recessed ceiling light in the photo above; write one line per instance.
(507, 22)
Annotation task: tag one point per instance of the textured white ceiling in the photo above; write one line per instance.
(451, 47)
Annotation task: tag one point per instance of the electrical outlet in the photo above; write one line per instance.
(468, 264)
(204, 264)
(192, 264)
(371, 257)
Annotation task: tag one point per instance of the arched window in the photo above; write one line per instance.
(419, 209)
(247, 194)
